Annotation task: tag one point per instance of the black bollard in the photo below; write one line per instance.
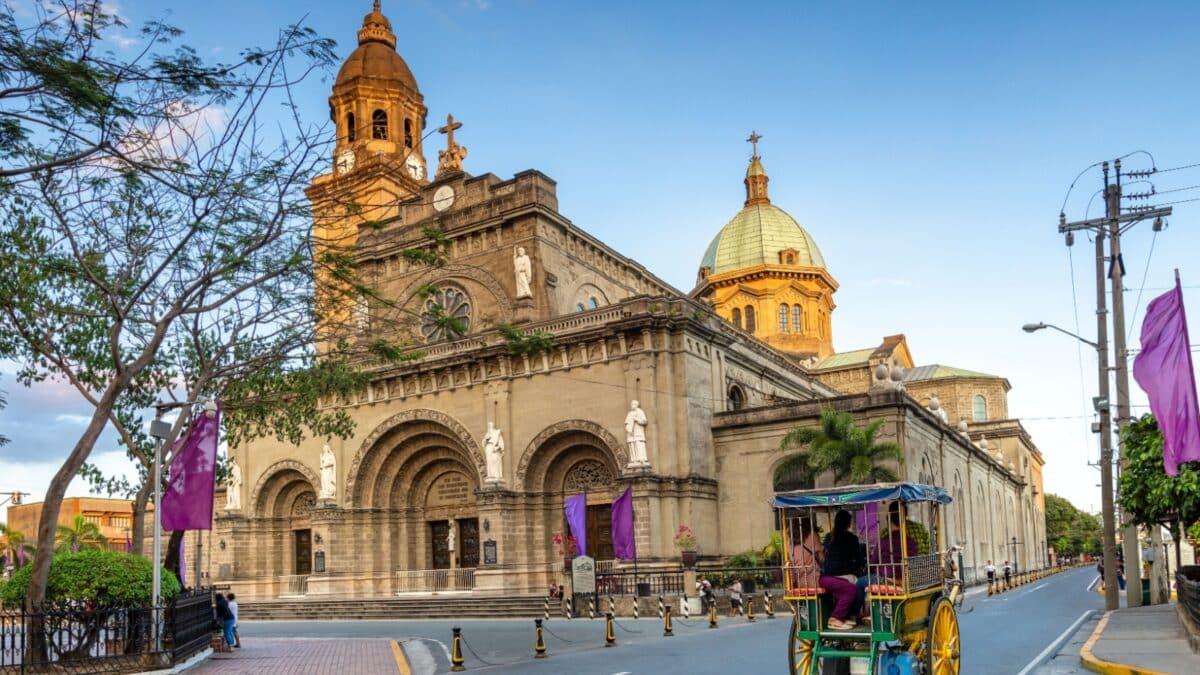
(539, 645)
(610, 638)
(712, 615)
(667, 631)
(456, 656)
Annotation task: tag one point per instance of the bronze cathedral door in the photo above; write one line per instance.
(303, 551)
(439, 532)
(468, 542)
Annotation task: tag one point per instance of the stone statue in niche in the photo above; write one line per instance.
(328, 473)
(523, 268)
(451, 540)
(493, 449)
(233, 487)
(635, 435)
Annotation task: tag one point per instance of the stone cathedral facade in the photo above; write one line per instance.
(461, 460)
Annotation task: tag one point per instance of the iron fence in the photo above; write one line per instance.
(753, 579)
(1187, 581)
(652, 583)
(82, 637)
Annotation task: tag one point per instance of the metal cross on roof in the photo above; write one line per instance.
(753, 140)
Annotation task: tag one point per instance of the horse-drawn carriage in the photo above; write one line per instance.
(882, 543)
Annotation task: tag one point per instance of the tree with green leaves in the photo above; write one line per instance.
(79, 535)
(14, 547)
(1147, 495)
(1071, 530)
(839, 446)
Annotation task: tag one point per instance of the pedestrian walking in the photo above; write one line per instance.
(991, 572)
(1007, 574)
(233, 609)
(704, 589)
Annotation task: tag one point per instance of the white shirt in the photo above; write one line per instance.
(233, 610)
(990, 569)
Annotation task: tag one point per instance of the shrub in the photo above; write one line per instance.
(104, 577)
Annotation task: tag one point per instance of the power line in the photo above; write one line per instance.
(1078, 346)
(1145, 272)
(1176, 168)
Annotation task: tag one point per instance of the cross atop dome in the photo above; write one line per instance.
(753, 140)
(756, 175)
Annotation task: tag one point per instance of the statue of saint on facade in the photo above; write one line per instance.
(328, 474)
(635, 435)
(493, 448)
(524, 271)
(450, 537)
(233, 487)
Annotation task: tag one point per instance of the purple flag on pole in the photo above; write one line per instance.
(576, 510)
(187, 503)
(129, 545)
(21, 556)
(182, 563)
(1164, 370)
(624, 547)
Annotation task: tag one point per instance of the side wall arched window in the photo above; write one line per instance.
(737, 317)
(783, 318)
(750, 322)
(797, 317)
(408, 134)
(979, 408)
(351, 130)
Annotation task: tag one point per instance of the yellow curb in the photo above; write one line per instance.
(1098, 665)
(401, 659)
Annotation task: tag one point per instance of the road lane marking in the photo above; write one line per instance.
(401, 662)
(1053, 646)
(1038, 586)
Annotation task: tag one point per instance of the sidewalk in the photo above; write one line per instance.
(278, 656)
(1142, 641)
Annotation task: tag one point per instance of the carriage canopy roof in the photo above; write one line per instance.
(862, 494)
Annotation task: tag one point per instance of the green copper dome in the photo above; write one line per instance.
(755, 236)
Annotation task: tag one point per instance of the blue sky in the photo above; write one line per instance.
(927, 147)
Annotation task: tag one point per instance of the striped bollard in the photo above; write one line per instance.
(566, 608)
(768, 604)
(591, 608)
(660, 607)
(612, 606)
(636, 613)
(687, 611)
(546, 609)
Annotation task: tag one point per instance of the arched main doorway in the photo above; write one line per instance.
(284, 499)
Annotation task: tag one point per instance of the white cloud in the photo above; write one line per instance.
(73, 419)
(895, 283)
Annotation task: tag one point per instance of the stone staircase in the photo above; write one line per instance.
(423, 607)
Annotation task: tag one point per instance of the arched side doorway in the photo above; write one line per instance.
(422, 476)
(283, 501)
(574, 458)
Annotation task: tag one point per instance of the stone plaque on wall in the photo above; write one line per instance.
(450, 489)
(489, 552)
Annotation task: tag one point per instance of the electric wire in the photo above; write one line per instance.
(1176, 168)
(1145, 272)
(1087, 438)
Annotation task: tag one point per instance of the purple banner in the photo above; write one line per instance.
(576, 510)
(182, 563)
(1164, 370)
(624, 547)
(187, 503)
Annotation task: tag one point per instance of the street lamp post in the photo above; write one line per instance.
(1112, 600)
(160, 430)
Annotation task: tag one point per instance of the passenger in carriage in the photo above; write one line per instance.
(806, 557)
(886, 559)
(842, 562)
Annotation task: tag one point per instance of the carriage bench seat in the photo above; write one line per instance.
(809, 591)
(883, 589)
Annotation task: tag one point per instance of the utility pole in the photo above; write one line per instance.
(1110, 225)
(1129, 533)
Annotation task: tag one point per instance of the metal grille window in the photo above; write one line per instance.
(379, 125)
(447, 315)
(783, 318)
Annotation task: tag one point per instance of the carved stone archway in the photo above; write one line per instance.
(600, 433)
(271, 474)
(456, 429)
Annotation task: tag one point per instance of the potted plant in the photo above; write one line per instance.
(566, 547)
(685, 541)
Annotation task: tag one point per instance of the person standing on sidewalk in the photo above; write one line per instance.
(226, 618)
(991, 572)
(237, 639)
(1007, 574)
(735, 597)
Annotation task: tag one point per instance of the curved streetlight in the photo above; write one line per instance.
(1034, 327)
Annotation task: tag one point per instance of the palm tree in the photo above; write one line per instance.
(837, 445)
(13, 544)
(78, 535)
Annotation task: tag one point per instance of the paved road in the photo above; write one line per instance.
(1001, 636)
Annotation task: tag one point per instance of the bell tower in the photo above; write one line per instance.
(379, 117)
(377, 109)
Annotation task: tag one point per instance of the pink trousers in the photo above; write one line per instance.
(844, 593)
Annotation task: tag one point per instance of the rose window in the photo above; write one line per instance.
(447, 315)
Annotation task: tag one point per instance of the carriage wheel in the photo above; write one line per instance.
(800, 652)
(942, 650)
